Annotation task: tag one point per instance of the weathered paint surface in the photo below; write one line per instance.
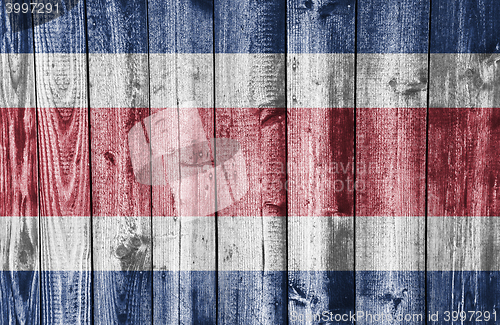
(285, 80)
(391, 112)
(320, 153)
(63, 133)
(121, 207)
(464, 170)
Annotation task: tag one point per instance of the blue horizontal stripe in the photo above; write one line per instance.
(65, 297)
(186, 297)
(462, 26)
(320, 291)
(15, 31)
(315, 27)
(186, 28)
(250, 26)
(244, 296)
(391, 294)
(66, 33)
(19, 297)
(117, 26)
(393, 26)
(465, 26)
(125, 296)
(468, 291)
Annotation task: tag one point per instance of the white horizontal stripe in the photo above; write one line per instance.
(17, 87)
(61, 80)
(19, 248)
(320, 243)
(119, 80)
(251, 243)
(184, 244)
(188, 243)
(320, 80)
(121, 243)
(65, 243)
(181, 80)
(390, 244)
(463, 244)
(465, 80)
(250, 80)
(243, 80)
(391, 80)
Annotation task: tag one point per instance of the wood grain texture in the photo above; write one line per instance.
(390, 158)
(16, 35)
(19, 246)
(320, 83)
(463, 208)
(121, 222)
(464, 176)
(464, 172)
(320, 228)
(18, 170)
(252, 232)
(181, 65)
(390, 204)
(320, 192)
(155, 249)
(17, 80)
(184, 248)
(65, 191)
(63, 132)
(184, 236)
(166, 222)
(197, 262)
(250, 108)
(121, 206)
(454, 31)
(119, 91)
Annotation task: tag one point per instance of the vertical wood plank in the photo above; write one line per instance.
(64, 173)
(390, 158)
(250, 108)
(320, 160)
(181, 64)
(119, 98)
(464, 170)
(19, 247)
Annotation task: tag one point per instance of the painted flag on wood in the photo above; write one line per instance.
(63, 164)
(250, 162)
(463, 161)
(390, 161)
(119, 86)
(320, 166)
(19, 227)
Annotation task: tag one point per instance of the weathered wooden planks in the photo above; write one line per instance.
(252, 233)
(464, 170)
(390, 159)
(320, 186)
(121, 206)
(19, 246)
(250, 108)
(18, 195)
(63, 131)
(184, 254)
(316, 242)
